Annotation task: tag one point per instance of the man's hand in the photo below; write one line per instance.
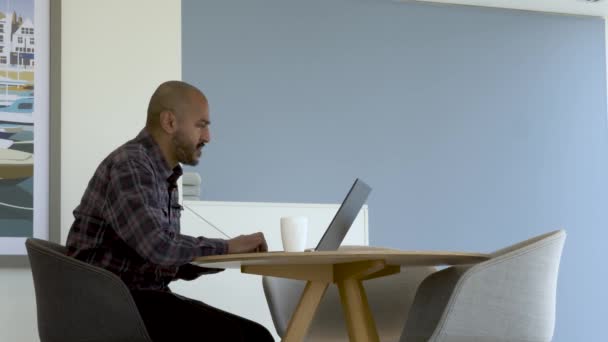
(247, 244)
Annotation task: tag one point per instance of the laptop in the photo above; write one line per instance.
(344, 218)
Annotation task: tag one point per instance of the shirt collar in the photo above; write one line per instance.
(172, 179)
(148, 142)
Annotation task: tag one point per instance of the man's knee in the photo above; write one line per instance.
(262, 334)
(257, 332)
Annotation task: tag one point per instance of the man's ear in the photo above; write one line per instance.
(168, 121)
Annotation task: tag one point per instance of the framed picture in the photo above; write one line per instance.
(24, 122)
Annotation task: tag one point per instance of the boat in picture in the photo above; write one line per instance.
(8, 131)
(19, 111)
(15, 164)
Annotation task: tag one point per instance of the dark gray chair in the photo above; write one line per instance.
(79, 302)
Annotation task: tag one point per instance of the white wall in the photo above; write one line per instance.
(114, 54)
(18, 309)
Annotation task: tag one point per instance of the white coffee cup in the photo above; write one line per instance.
(294, 230)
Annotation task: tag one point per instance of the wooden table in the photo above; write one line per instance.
(346, 268)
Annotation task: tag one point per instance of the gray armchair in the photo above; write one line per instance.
(510, 297)
(389, 299)
(78, 302)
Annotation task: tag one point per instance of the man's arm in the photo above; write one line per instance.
(241, 244)
(133, 210)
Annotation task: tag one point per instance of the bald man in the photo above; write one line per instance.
(128, 222)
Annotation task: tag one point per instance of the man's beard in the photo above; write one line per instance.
(185, 153)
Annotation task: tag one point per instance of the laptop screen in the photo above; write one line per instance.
(345, 217)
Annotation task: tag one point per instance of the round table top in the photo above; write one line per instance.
(390, 256)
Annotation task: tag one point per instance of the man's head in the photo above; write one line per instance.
(178, 118)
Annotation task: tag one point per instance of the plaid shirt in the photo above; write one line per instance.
(128, 220)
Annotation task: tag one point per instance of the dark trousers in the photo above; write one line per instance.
(170, 317)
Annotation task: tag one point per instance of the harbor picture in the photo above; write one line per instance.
(17, 113)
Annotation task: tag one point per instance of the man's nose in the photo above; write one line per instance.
(206, 136)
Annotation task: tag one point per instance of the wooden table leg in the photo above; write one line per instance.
(360, 322)
(304, 313)
(348, 278)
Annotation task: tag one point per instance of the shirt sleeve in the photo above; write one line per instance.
(133, 211)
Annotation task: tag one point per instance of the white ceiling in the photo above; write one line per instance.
(583, 7)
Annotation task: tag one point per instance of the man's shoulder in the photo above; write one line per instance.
(132, 151)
